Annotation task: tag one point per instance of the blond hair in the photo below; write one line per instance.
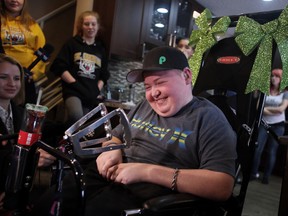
(20, 97)
(25, 18)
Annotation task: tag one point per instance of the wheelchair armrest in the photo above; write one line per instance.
(171, 202)
(283, 140)
(183, 204)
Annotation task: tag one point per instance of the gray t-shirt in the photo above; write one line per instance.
(197, 137)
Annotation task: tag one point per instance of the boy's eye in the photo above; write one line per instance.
(160, 82)
(147, 87)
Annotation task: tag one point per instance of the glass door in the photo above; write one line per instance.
(159, 24)
(184, 24)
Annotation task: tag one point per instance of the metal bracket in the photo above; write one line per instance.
(89, 147)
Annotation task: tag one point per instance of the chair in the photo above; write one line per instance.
(243, 111)
(74, 144)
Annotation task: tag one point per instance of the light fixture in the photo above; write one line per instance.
(159, 25)
(162, 6)
(195, 14)
(162, 10)
(267, 0)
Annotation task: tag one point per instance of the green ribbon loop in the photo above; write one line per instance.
(204, 38)
(250, 35)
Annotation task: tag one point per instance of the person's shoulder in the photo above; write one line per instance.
(75, 39)
(72, 42)
(202, 102)
(16, 107)
(17, 110)
(285, 93)
(139, 107)
(205, 106)
(143, 105)
(100, 42)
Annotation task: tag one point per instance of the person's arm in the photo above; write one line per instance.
(200, 182)
(276, 110)
(64, 59)
(4, 142)
(40, 68)
(45, 159)
(108, 159)
(67, 77)
(100, 84)
(2, 195)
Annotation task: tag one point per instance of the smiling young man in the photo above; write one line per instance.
(180, 143)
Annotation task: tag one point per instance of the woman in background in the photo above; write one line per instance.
(21, 36)
(183, 45)
(11, 83)
(82, 66)
(274, 115)
(11, 90)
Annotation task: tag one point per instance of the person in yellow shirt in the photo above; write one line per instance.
(21, 36)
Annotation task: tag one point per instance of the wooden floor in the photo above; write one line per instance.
(261, 199)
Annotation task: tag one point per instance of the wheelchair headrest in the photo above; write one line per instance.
(224, 66)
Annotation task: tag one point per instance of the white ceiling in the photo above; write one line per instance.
(237, 7)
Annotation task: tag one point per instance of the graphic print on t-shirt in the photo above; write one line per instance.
(14, 37)
(87, 64)
(171, 135)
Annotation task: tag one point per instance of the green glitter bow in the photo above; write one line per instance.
(250, 35)
(204, 38)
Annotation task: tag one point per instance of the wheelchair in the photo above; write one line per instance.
(222, 84)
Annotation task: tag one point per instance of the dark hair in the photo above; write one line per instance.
(181, 38)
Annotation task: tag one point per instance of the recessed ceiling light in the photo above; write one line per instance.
(267, 0)
(162, 10)
(196, 14)
(159, 25)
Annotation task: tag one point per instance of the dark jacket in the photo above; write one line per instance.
(6, 150)
(87, 64)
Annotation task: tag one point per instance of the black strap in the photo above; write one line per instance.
(1, 46)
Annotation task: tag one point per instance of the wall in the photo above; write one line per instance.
(60, 28)
(118, 70)
(57, 29)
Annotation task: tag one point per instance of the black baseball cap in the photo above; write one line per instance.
(159, 59)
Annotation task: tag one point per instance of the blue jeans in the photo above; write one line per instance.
(272, 146)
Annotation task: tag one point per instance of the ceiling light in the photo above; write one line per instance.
(267, 0)
(195, 14)
(159, 25)
(162, 10)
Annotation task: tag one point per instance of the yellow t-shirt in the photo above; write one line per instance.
(21, 44)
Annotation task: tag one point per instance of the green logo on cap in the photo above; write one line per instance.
(162, 59)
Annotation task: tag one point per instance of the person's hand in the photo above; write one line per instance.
(2, 195)
(45, 159)
(4, 142)
(127, 173)
(107, 160)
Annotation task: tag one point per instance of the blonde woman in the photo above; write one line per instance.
(11, 84)
(21, 35)
(82, 66)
